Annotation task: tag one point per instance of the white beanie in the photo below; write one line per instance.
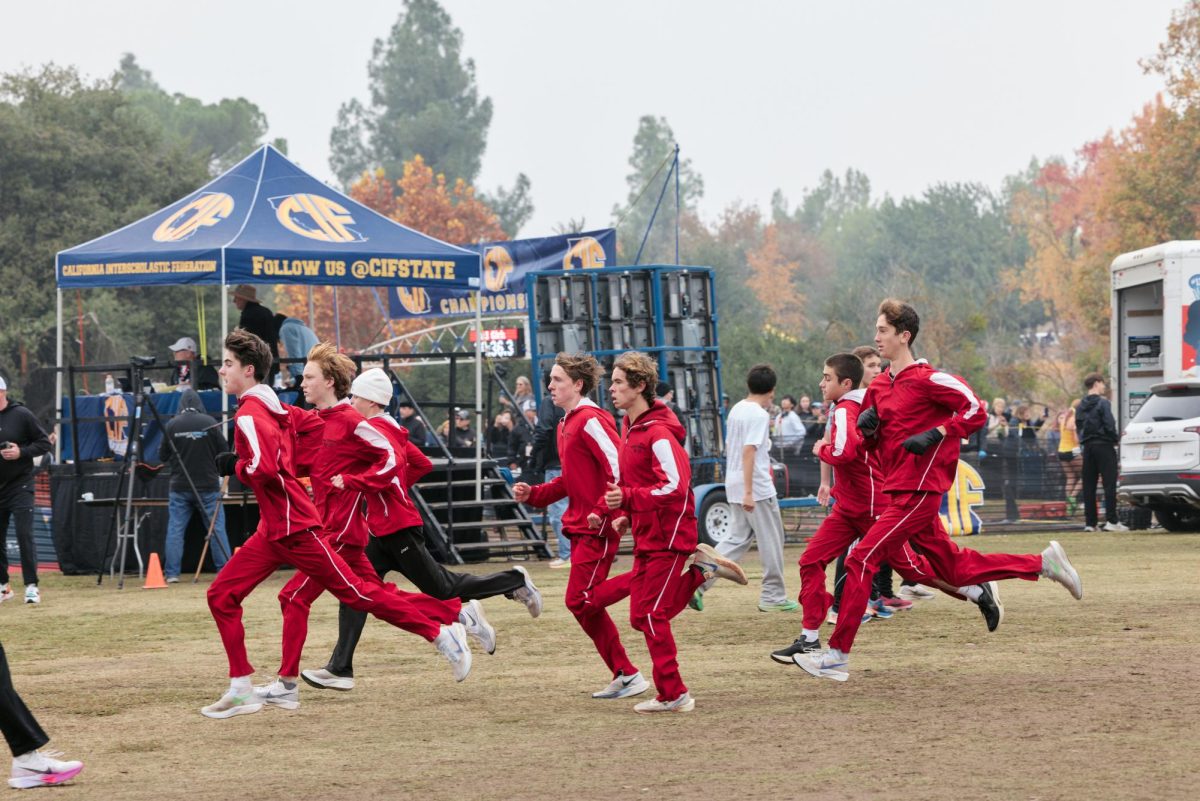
(373, 385)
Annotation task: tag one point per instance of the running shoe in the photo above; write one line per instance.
(697, 600)
(712, 564)
(1118, 526)
(477, 626)
(782, 606)
(916, 592)
(830, 664)
(6, 593)
(897, 604)
(1056, 567)
(324, 680)
(800, 646)
(452, 644)
(881, 610)
(684, 703)
(32, 594)
(529, 594)
(41, 769)
(989, 604)
(624, 686)
(277, 694)
(232, 703)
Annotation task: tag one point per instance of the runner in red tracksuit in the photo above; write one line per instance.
(397, 542)
(655, 488)
(587, 448)
(366, 466)
(915, 417)
(289, 531)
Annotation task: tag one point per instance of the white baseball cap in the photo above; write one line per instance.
(184, 343)
(373, 385)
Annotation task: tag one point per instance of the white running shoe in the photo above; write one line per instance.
(1056, 567)
(324, 680)
(40, 769)
(6, 593)
(32, 594)
(684, 703)
(712, 564)
(558, 564)
(1118, 526)
(452, 644)
(477, 626)
(529, 594)
(276, 694)
(824, 665)
(624, 686)
(916, 592)
(231, 703)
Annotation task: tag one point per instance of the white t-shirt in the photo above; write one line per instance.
(748, 424)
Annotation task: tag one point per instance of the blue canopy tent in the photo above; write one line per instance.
(265, 221)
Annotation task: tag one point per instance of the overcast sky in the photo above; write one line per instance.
(761, 95)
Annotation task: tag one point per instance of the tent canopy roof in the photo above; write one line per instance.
(266, 221)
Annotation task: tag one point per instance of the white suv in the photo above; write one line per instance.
(1160, 456)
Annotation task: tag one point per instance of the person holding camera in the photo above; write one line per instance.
(22, 441)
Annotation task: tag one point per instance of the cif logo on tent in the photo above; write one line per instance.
(958, 504)
(585, 252)
(315, 217)
(116, 423)
(497, 267)
(414, 300)
(208, 209)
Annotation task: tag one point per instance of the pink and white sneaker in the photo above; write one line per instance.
(6, 594)
(40, 769)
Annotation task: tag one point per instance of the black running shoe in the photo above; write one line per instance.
(990, 606)
(801, 646)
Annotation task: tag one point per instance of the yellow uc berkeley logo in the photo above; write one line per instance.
(316, 217)
(414, 300)
(585, 252)
(208, 209)
(497, 267)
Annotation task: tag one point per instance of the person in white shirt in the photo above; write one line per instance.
(754, 507)
(788, 425)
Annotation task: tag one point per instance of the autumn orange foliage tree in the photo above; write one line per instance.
(420, 200)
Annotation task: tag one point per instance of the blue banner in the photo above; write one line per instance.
(505, 266)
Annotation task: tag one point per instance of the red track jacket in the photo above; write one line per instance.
(266, 438)
(391, 509)
(656, 479)
(857, 479)
(587, 448)
(917, 399)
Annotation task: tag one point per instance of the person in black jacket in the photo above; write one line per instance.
(256, 318)
(191, 441)
(546, 462)
(23, 441)
(1097, 430)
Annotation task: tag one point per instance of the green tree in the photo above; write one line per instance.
(423, 102)
(221, 133)
(80, 160)
(653, 149)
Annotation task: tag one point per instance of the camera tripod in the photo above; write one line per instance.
(125, 528)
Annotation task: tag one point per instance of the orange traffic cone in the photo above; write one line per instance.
(154, 575)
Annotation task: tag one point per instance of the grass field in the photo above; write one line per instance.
(1067, 700)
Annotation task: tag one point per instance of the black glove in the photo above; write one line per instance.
(226, 462)
(868, 422)
(919, 443)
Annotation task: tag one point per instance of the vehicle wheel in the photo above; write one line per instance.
(1176, 520)
(715, 517)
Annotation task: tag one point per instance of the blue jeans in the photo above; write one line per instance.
(555, 512)
(180, 509)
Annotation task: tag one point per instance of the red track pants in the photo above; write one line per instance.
(833, 538)
(660, 587)
(259, 557)
(913, 517)
(590, 591)
(297, 596)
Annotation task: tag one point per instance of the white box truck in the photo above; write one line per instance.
(1156, 380)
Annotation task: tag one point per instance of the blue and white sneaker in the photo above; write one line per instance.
(881, 609)
(452, 644)
(624, 686)
(830, 664)
(277, 694)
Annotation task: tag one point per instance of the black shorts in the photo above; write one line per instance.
(1066, 456)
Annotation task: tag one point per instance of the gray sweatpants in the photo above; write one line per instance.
(766, 526)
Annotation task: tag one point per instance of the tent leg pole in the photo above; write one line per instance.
(311, 315)
(479, 429)
(58, 383)
(221, 349)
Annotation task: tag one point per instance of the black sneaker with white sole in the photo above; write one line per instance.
(990, 606)
(801, 646)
